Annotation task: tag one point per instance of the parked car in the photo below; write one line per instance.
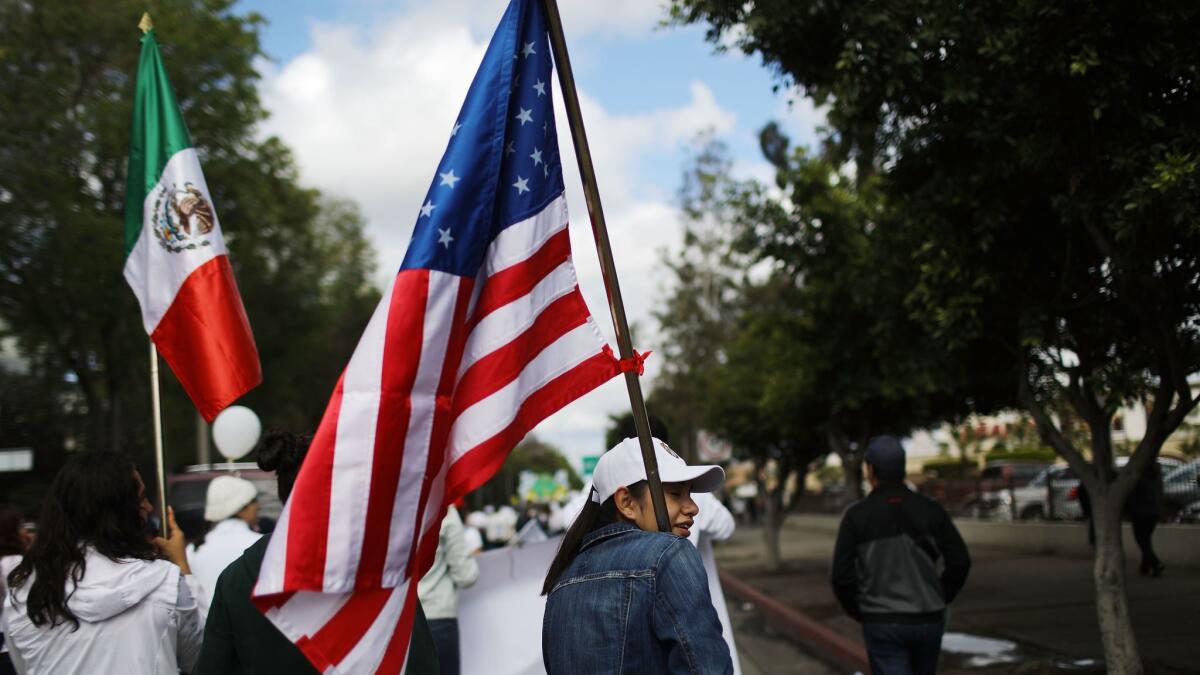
(1167, 465)
(186, 492)
(1035, 498)
(992, 497)
(1180, 489)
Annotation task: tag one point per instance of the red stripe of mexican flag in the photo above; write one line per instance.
(176, 260)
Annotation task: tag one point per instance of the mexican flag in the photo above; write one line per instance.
(175, 258)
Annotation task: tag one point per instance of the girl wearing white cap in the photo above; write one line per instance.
(624, 597)
(231, 506)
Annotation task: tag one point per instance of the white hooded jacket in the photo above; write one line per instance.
(135, 616)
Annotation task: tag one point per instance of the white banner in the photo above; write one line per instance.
(500, 617)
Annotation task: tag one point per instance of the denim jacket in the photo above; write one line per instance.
(633, 602)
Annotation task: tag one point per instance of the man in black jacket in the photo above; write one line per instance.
(885, 566)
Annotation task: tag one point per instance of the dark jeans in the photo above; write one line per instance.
(445, 638)
(903, 648)
(6, 666)
(1143, 534)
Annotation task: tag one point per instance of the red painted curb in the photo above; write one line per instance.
(838, 647)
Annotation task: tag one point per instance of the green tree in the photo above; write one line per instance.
(302, 263)
(531, 454)
(762, 399)
(696, 318)
(874, 365)
(1041, 165)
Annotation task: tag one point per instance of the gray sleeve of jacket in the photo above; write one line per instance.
(460, 564)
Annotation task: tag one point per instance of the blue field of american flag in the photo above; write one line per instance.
(482, 334)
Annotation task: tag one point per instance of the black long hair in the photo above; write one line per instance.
(93, 501)
(11, 542)
(592, 517)
(282, 452)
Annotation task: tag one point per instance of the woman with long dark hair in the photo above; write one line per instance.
(12, 548)
(237, 637)
(624, 597)
(95, 593)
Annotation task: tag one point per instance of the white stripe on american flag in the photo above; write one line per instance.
(431, 525)
(439, 311)
(510, 321)
(306, 612)
(519, 240)
(354, 452)
(489, 416)
(270, 577)
(368, 653)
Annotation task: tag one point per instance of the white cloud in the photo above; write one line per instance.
(800, 117)
(613, 17)
(580, 18)
(368, 114)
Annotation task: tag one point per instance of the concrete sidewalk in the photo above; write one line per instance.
(1045, 603)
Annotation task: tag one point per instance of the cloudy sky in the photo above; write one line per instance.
(365, 92)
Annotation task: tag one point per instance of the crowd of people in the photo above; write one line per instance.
(93, 592)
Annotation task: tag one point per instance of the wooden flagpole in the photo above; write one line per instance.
(156, 406)
(608, 268)
(155, 398)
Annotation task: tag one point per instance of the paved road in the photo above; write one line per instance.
(765, 651)
(1043, 603)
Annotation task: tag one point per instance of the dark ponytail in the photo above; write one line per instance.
(592, 517)
(282, 452)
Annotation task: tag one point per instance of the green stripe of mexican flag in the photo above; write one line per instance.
(176, 260)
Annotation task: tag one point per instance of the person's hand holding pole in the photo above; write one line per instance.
(174, 546)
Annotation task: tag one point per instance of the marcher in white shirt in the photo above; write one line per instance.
(714, 523)
(454, 568)
(231, 506)
(13, 542)
(94, 594)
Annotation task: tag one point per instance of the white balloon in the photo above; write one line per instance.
(235, 431)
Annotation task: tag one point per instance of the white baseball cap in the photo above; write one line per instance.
(622, 466)
(226, 496)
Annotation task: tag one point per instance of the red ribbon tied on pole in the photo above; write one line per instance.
(636, 363)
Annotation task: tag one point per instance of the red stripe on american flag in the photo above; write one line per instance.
(513, 282)
(342, 632)
(396, 653)
(480, 463)
(494, 371)
(405, 332)
(418, 565)
(427, 549)
(308, 519)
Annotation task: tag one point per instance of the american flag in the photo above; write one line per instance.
(482, 334)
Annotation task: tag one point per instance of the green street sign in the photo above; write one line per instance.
(589, 464)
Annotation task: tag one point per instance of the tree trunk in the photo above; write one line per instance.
(1112, 602)
(773, 514)
(772, 523)
(852, 469)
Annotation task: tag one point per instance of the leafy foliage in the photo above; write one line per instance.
(1039, 162)
(301, 260)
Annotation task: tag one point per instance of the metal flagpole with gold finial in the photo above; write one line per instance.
(155, 397)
